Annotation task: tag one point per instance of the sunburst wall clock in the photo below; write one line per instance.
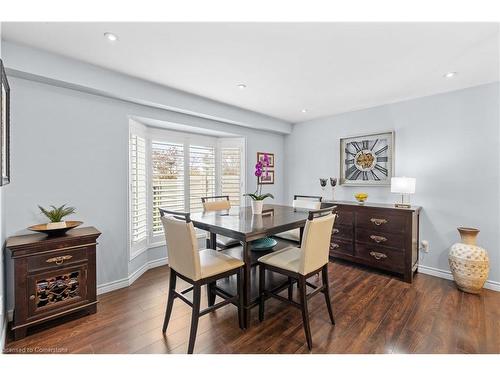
(367, 159)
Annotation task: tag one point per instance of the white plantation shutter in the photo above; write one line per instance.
(167, 180)
(230, 172)
(138, 192)
(201, 175)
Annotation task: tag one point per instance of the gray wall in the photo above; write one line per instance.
(449, 142)
(2, 240)
(72, 147)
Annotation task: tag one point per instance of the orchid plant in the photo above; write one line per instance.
(260, 168)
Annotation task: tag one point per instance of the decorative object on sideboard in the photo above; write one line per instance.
(333, 183)
(404, 186)
(361, 197)
(258, 197)
(56, 227)
(322, 183)
(469, 263)
(367, 159)
(4, 127)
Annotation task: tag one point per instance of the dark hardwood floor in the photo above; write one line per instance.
(374, 312)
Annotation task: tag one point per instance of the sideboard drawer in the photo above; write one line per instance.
(372, 237)
(342, 231)
(380, 256)
(381, 221)
(344, 217)
(342, 247)
(57, 258)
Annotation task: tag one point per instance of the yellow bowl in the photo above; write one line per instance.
(361, 197)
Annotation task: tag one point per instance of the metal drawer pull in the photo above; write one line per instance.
(378, 239)
(334, 245)
(59, 260)
(378, 221)
(335, 230)
(378, 255)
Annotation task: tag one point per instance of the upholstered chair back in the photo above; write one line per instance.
(183, 255)
(316, 243)
(308, 204)
(217, 205)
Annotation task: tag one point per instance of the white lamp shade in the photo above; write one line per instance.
(403, 185)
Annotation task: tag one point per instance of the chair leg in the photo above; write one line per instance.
(194, 317)
(305, 312)
(326, 292)
(262, 291)
(239, 286)
(290, 289)
(170, 300)
(211, 294)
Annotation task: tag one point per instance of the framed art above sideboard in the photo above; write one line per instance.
(367, 159)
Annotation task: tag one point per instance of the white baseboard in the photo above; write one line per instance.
(445, 274)
(123, 283)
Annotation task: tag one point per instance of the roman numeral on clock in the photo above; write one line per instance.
(375, 177)
(356, 146)
(350, 171)
(365, 176)
(365, 145)
(349, 161)
(381, 169)
(382, 150)
(382, 158)
(349, 152)
(373, 145)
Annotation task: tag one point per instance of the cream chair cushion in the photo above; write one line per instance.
(313, 253)
(287, 258)
(215, 262)
(217, 205)
(183, 254)
(294, 234)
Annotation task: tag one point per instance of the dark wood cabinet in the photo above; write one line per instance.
(53, 276)
(377, 235)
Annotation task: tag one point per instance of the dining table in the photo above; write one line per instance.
(241, 224)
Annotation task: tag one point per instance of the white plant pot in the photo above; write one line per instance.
(56, 225)
(257, 207)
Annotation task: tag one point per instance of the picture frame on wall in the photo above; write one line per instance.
(4, 127)
(367, 159)
(260, 157)
(267, 178)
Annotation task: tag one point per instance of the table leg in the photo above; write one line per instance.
(246, 284)
(211, 286)
(213, 241)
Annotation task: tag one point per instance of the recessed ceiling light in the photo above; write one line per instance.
(304, 110)
(111, 37)
(450, 74)
(242, 86)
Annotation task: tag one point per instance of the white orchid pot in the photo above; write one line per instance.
(257, 207)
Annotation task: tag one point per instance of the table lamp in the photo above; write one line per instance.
(404, 186)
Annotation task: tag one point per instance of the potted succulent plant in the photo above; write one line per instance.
(56, 214)
(258, 197)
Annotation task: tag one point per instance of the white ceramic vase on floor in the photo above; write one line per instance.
(468, 262)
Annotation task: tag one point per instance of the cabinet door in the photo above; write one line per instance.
(56, 289)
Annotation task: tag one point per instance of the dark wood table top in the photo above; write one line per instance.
(239, 223)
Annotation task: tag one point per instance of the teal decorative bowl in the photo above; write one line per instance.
(264, 244)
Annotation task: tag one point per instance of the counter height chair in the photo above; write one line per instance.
(219, 203)
(311, 202)
(299, 264)
(198, 268)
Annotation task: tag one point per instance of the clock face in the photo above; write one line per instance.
(366, 160)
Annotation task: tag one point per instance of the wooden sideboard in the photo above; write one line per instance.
(377, 235)
(53, 276)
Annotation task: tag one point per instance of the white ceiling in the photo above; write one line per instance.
(327, 68)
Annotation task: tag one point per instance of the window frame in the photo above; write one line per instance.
(151, 135)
